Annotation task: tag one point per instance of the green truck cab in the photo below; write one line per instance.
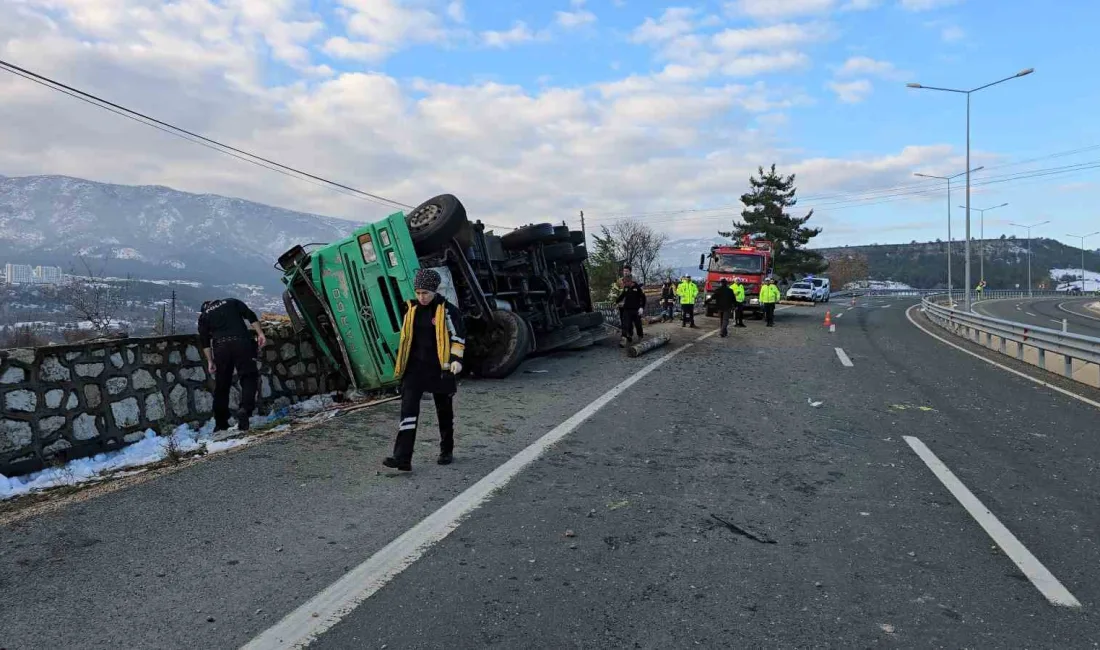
(522, 293)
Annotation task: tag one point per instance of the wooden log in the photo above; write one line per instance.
(645, 345)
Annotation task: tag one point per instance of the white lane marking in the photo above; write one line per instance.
(844, 360)
(1018, 308)
(1031, 314)
(1062, 307)
(300, 627)
(1031, 567)
(886, 306)
(1001, 366)
(1056, 320)
(704, 336)
(840, 314)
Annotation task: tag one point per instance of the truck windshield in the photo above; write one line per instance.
(737, 263)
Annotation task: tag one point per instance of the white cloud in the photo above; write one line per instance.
(456, 11)
(639, 143)
(674, 22)
(574, 19)
(519, 33)
(779, 9)
(952, 34)
(925, 5)
(862, 65)
(851, 92)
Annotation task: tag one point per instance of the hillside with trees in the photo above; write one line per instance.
(924, 265)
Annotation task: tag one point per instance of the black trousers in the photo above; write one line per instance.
(769, 313)
(739, 314)
(629, 321)
(688, 314)
(230, 355)
(413, 387)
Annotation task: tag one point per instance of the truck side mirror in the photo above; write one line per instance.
(702, 258)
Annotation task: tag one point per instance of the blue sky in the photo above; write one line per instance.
(621, 108)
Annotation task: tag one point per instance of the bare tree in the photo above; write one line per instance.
(94, 298)
(636, 244)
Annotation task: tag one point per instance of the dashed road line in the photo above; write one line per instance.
(844, 360)
(840, 314)
(1031, 314)
(1031, 567)
(303, 625)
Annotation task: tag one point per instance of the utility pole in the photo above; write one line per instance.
(1083, 238)
(950, 293)
(583, 232)
(173, 330)
(1018, 225)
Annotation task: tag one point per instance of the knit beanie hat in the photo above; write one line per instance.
(427, 280)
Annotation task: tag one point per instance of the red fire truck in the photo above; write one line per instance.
(750, 260)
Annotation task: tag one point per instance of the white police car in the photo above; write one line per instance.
(802, 290)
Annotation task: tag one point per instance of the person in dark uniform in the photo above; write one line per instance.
(228, 346)
(668, 300)
(724, 300)
(429, 358)
(631, 302)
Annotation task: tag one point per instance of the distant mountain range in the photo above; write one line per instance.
(152, 232)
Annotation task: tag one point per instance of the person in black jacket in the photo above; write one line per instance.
(429, 358)
(228, 345)
(631, 301)
(668, 300)
(724, 300)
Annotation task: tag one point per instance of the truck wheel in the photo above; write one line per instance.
(561, 233)
(584, 321)
(509, 346)
(560, 338)
(521, 238)
(558, 252)
(576, 237)
(434, 222)
(586, 340)
(580, 254)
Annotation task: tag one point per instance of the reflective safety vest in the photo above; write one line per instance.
(739, 292)
(687, 292)
(769, 293)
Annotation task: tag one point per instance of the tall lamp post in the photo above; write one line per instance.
(950, 295)
(1019, 225)
(1083, 238)
(968, 93)
(981, 254)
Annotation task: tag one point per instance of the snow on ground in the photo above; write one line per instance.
(1092, 279)
(150, 449)
(877, 284)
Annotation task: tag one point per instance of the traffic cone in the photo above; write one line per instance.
(828, 319)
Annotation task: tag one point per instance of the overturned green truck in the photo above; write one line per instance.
(522, 293)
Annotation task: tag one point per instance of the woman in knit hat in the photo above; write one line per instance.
(429, 358)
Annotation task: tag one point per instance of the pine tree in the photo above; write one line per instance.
(766, 214)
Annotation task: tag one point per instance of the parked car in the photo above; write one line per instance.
(802, 291)
(822, 289)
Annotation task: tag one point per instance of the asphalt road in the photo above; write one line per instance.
(1046, 312)
(631, 532)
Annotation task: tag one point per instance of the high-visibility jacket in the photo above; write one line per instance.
(738, 291)
(450, 333)
(687, 291)
(769, 293)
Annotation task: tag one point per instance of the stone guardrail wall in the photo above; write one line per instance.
(70, 401)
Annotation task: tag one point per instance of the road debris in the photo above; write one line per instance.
(813, 403)
(615, 505)
(570, 533)
(741, 531)
(645, 345)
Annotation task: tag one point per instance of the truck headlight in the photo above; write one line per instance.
(367, 247)
(754, 301)
(706, 297)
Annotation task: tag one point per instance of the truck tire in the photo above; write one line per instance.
(510, 348)
(580, 254)
(584, 321)
(557, 339)
(521, 238)
(561, 233)
(435, 222)
(576, 237)
(586, 340)
(563, 252)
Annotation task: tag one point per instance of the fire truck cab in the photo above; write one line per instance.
(750, 260)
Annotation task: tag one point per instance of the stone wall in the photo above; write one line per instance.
(69, 401)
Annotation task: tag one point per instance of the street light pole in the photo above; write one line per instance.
(950, 294)
(1021, 73)
(981, 254)
(1082, 238)
(1019, 225)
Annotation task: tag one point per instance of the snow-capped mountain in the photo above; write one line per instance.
(152, 232)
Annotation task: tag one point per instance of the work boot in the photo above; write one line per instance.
(242, 421)
(221, 426)
(445, 458)
(622, 341)
(393, 463)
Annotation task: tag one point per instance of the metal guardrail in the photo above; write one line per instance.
(1044, 341)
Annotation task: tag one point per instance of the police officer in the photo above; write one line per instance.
(739, 302)
(631, 301)
(687, 292)
(429, 358)
(228, 346)
(769, 296)
(724, 300)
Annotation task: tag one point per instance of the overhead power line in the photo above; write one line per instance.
(196, 138)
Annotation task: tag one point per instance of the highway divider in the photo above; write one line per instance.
(1073, 356)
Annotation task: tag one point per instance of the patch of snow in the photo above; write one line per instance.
(150, 449)
(129, 254)
(1092, 279)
